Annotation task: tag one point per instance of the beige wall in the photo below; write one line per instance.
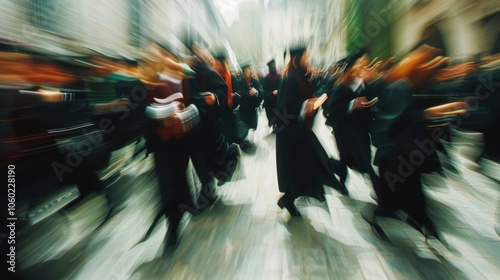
(93, 23)
(459, 21)
(104, 23)
(12, 19)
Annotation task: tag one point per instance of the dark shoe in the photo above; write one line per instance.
(234, 150)
(248, 148)
(341, 188)
(170, 244)
(427, 227)
(289, 205)
(153, 225)
(245, 145)
(205, 201)
(274, 128)
(414, 224)
(369, 216)
(171, 236)
(340, 169)
(190, 208)
(431, 231)
(230, 165)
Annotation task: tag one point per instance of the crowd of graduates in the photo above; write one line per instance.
(405, 108)
(64, 117)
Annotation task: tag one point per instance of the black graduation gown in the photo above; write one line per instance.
(240, 129)
(400, 168)
(269, 84)
(171, 161)
(486, 117)
(302, 163)
(350, 130)
(400, 127)
(233, 128)
(208, 146)
(249, 104)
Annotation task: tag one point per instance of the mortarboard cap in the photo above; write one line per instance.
(272, 61)
(349, 61)
(298, 47)
(297, 50)
(220, 55)
(245, 64)
(191, 37)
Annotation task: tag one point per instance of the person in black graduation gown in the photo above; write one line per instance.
(400, 178)
(233, 129)
(350, 121)
(403, 131)
(270, 85)
(302, 164)
(251, 97)
(170, 145)
(213, 157)
(486, 119)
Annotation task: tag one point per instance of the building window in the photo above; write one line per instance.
(43, 14)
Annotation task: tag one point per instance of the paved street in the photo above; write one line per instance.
(246, 236)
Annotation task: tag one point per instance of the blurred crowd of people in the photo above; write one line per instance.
(63, 116)
(405, 108)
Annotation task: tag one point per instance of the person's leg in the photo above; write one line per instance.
(374, 178)
(412, 201)
(343, 148)
(176, 196)
(340, 168)
(288, 201)
(197, 152)
(269, 112)
(203, 167)
(388, 184)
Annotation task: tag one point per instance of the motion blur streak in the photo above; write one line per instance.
(250, 139)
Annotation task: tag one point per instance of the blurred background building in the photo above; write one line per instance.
(90, 240)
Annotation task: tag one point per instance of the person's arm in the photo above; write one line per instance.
(235, 92)
(266, 87)
(355, 103)
(196, 98)
(343, 100)
(260, 90)
(246, 99)
(218, 87)
(259, 96)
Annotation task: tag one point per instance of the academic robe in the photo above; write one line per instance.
(401, 126)
(249, 104)
(350, 129)
(303, 166)
(208, 144)
(269, 84)
(233, 128)
(400, 167)
(486, 117)
(171, 156)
